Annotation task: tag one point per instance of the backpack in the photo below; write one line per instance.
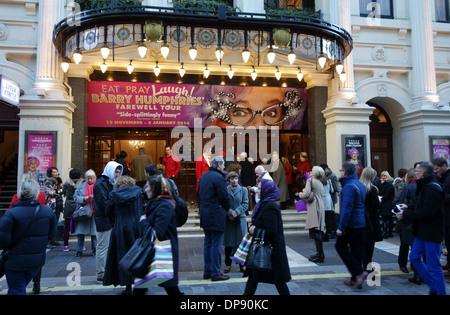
(181, 210)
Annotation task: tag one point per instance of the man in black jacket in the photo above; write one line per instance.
(442, 170)
(102, 187)
(214, 204)
(428, 219)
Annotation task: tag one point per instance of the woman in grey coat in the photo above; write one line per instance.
(236, 227)
(84, 196)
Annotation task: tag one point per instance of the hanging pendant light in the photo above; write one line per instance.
(230, 73)
(182, 70)
(104, 66)
(157, 69)
(322, 60)
(130, 67)
(105, 51)
(339, 67)
(291, 57)
(254, 74)
(77, 56)
(65, 64)
(142, 49)
(165, 50)
(206, 72)
(278, 74)
(271, 55)
(343, 77)
(300, 74)
(193, 52)
(219, 54)
(245, 55)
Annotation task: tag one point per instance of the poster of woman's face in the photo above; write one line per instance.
(354, 148)
(254, 106)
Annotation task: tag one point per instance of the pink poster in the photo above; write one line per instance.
(40, 154)
(158, 105)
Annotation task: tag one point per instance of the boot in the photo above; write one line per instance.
(320, 255)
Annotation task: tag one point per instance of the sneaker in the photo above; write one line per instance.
(79, 254)
(66, 248)
(99, 280)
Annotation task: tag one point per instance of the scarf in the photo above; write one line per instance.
(269, 191)
(90, 191)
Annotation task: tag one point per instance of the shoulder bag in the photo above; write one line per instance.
(5, 251)
(82, 212)
(260, 254)
(137, 260)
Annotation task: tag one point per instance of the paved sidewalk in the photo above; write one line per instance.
(307, 278)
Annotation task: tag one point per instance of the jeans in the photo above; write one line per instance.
(212, 252)
(18, 280)
(431, 271)
(80, 243)
(349, 246)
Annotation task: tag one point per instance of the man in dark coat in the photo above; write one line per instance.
(214, 204)
(102, 187)
(428, 218)
(442, 170)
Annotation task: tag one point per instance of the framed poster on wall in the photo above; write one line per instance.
(40, 153)
(440, 147)
(354, 150)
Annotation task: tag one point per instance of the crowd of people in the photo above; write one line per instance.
(120, 205)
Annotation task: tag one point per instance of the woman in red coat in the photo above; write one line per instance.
(302, 168)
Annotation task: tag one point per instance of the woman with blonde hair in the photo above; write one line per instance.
(315, 218)
(372, 232)
(387, 194)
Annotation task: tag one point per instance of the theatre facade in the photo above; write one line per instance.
(335, 79)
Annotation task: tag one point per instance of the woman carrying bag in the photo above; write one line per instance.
(315, 218)
(236, 227)
(84, 196)
(267, 218)
(159, 213)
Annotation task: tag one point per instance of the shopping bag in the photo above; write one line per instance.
(161, 268)
(300, 205)
(240, 256)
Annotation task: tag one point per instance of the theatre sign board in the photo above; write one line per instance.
(9, 91)
(165, 105)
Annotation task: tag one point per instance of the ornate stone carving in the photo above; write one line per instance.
(3, 32)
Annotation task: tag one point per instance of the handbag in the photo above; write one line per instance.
(140, 255)
(260, 254)
(300, 205)
(161, 268)
(5, 251)
(240, 256)
(82, 213)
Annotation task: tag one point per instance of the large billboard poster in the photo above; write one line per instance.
(159, 105)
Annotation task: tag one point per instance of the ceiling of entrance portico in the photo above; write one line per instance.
(307, 34)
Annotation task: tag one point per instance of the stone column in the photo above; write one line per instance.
(344, 114)
(422, 53)
(48, 106)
